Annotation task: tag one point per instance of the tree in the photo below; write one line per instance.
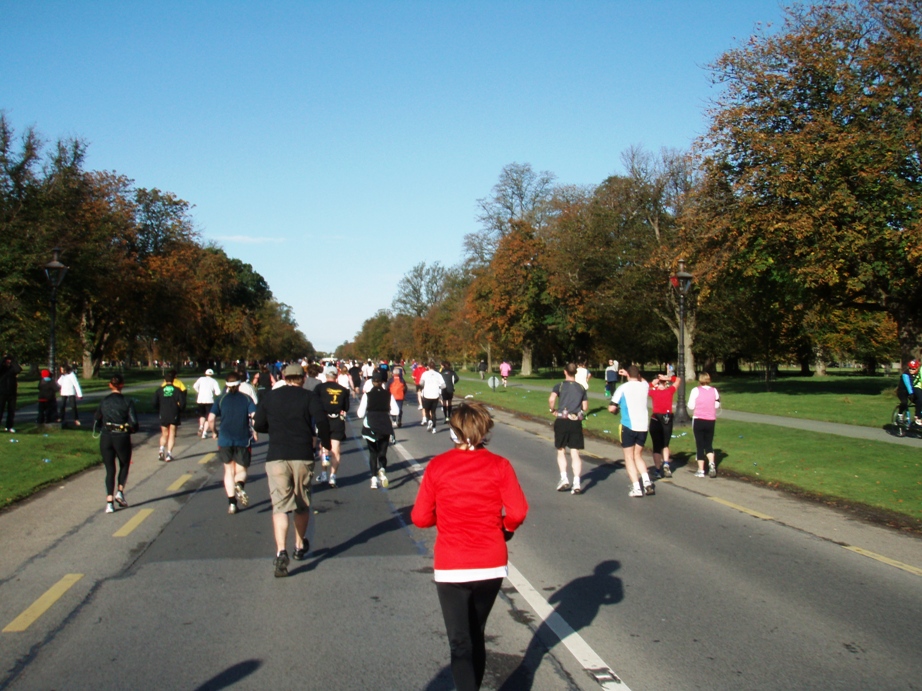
(420, 289)
(812, 160)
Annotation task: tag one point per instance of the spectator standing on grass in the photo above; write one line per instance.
(116, 419)
(631, 400)
(10, 370)
(71, 392)
(611, 378)
(474, 520)
(47, 401)
(704, 401)
(482, 368)
(583, 375)
(569, 402)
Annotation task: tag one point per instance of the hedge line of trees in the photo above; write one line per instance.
(798, 213)
(141, 283)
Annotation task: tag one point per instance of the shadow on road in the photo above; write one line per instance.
(231, 675)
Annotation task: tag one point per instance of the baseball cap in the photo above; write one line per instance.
(329, 371)
(293, 370)
(209, 371)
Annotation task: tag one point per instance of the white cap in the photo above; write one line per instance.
(209, 371)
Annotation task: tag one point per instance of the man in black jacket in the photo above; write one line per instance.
(9, 370)
(288, 415)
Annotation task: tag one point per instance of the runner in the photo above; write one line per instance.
(356, 373)
(236, 411)
(334, 398)
(505, 370)
(398, 388)
(568, 427)
(116, 419)
(375, 411)
(431, 385)
(286, 414)
(206, 388)
(662, 392)
(448, 393)
(474, 520)
(704, 401)
(631, 400)
(169, 401)
(418, 373)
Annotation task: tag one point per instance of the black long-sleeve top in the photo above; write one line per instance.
(288, 414)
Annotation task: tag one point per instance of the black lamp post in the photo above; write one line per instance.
(681, 282)
(54, 271)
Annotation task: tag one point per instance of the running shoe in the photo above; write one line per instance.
(635, 492)
(242, 497)
(699, 473)
(162, 455)
(576, 489)
(333, 481)
(300, 553)
(169, 457)
(667, 470)
(231, 509)
(110, 507)
(649, 490)
(281, 564)
(323, 477)
(204, 434)
(374, 483)
(393, 439)
(433, 429)
(563, 485)
(712, 470)
(658, 474)
(383, 478)
(120, 498)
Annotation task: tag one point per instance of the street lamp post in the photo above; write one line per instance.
(54, 271)
(681, 282)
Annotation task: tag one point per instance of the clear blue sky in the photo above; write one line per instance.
(333, 145)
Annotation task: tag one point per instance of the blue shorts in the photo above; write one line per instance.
(631, 438)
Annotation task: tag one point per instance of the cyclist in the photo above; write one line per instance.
(910, 389)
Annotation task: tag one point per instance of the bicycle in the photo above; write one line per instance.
(904, 424)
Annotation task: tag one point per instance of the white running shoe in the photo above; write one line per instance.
(563, 485)
(374, 483)
(699, 473)
(323, 477)
(712, 471)
(635, 492)
(383, 478)
(120, 498)
(110, 507)
(332, 480)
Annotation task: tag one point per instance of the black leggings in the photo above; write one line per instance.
(660, 431)
(377, 453)
(465, 608)
(704, 438)
(113, 445)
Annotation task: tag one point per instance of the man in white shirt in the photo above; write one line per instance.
(70, 392)
(206, 388)
(431, 384)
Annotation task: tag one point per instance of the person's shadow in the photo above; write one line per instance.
(577, 604)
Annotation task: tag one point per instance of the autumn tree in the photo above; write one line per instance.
(812, 160)
(420, 289)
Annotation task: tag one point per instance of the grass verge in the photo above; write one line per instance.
(880, 481)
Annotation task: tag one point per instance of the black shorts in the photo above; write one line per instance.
(167, 421)
(447, 396)
(240, 455)
(631, 438)
(204, 409)
(430, 404)
(337, 428)
(568, 434)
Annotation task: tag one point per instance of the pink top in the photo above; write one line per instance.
(705, 401)
(505, 369)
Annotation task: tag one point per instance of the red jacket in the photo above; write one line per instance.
(469, 515)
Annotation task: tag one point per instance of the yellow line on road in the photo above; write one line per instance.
(763, 516)
(135, 521)
(42, 604)
(207, 457)
(886, 560)
(183, 479)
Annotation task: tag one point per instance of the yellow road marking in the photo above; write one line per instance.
(207, 457)
(886, 560)
(763, 516)
(135, 521)
(183, 479)
(42, 604)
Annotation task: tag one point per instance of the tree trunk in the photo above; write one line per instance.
(819, 362)
(526, 360)
(489, 358)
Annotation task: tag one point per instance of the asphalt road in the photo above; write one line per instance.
(710, 584)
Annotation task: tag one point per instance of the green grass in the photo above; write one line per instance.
(23, 470)
(842, 471)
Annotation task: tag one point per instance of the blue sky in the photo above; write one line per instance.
(333, 145)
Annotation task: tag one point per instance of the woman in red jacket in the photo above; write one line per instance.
(474, 522)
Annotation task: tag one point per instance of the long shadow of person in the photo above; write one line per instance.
(577, 604)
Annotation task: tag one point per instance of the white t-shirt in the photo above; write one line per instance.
(206, 388)
(632, 397)
(432, 382)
